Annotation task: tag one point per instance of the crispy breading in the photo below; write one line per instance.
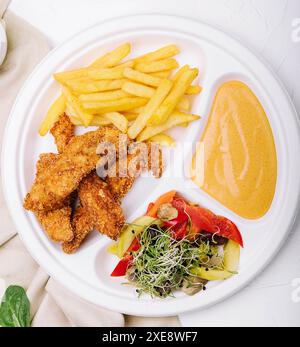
(98, 210)
(82, 225)
(60, 175)
(52, 186)
(63, 132)
(119, 186)
(117, 177)
(45, 160)
(105, 212)
(155, 159)
(56, 223)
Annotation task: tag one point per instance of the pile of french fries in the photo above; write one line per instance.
(142, 97)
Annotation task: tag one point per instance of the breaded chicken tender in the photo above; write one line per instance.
(82, 226)
(60, 176)
(63, 132)
(98, 210)
(120, 184)
(56, 223)
(52, 186)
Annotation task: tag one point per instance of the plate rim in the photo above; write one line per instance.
(155, 309)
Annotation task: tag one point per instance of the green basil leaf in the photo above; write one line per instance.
(15, 308)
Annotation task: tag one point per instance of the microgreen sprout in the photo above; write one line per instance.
(162, 263)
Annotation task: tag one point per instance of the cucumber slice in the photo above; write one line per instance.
(231, 264)
(211, 275)
(232, 256)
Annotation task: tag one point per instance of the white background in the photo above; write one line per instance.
(266, 27)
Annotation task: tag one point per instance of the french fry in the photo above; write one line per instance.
(191, 90)
(138, 89)
(109, 60)
(62, 77)
(155, 66)
(97, 121)
(74, 120)
(152, 80)
(184, 125)
(183, 104)
(118, 120)
(56, 109)
(138, 109)
(84, 117)
(141, 77)
(118, 105)
(114, 57)
(177, 92)
(143, 91)
(179, 72)
(162, 53)
(194, 90)
(89, 86)
(104, 96)
(130, 116)
(128, 63)
(71, 112)
(163, 140)
(176, 118)
(156, 100)
(161, 74)
(111, 73)
(74, 105)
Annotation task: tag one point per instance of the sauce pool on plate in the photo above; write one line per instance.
(238, 153)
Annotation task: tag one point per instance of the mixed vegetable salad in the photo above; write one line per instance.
(177, 245)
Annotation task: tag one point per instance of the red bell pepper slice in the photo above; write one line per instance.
(179, 203)
(178, 225)
(200, 217)
(226, 228)
(178, 232)
(121, 268)
(135, 246)
(203, 219)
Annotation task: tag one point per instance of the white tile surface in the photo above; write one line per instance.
(272, 29)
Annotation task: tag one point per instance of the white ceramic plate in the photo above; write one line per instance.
(219, 58)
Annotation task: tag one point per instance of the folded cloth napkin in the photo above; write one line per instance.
(51, 304)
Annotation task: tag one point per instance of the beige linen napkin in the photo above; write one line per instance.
(51, 304)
